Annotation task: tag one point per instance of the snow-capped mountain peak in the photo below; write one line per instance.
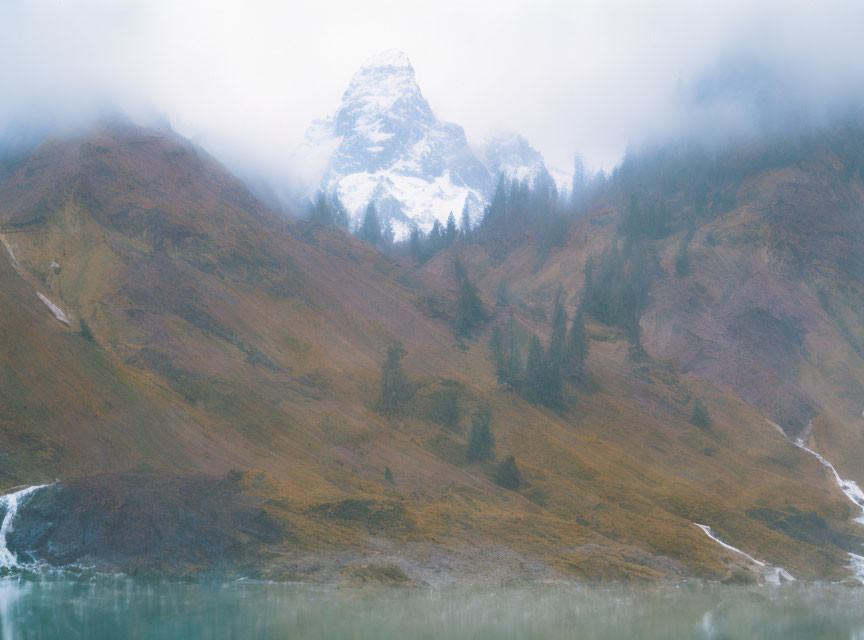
(384, 144)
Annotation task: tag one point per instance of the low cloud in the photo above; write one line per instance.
(245, 78)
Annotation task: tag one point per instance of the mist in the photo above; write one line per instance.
(244, 79)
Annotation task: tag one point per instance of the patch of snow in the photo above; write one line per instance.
(57, 311)
(710, 533)
(849, 488)
(772, 574)
(11, 254)
(11, 502)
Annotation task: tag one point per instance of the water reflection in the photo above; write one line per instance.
(102, 607)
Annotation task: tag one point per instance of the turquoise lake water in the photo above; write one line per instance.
(102, 607)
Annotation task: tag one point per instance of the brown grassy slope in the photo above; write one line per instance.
(225, 339)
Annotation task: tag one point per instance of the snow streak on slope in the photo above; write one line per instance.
(772, 574)
(55, 310)
(11, 502)
(849, 488)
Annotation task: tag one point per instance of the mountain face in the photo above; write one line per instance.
(212, 396)
(385, 145)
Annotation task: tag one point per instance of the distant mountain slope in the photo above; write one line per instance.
(220, 337)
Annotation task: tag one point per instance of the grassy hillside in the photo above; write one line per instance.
(225, 338)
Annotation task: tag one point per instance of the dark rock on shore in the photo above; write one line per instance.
(141, 521)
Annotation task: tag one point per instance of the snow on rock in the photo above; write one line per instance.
(511, 155)
(57, 311)
(384, 144)
(11, 502)
(773, 575)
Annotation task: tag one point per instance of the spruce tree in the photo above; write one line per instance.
(340, 215)
(481, 441)
(501, 297)
(577, 344)
(84, 331)
(370, 229)
(496, 345)
(414, 243)
(469, 309)
(508, 475)
(320, 212)
(701, 418)
(393, 387)
(451, 232)
(558, 343)
(436, 237)
(388, 236)
(466, 221)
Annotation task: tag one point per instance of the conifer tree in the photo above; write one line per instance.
(481, 440)
(508, 475)
(320, 212)
(496, 345)
(451, 232)
(84, 330)
(558, 344)
(387, 235)
(469, 310)
(466, 222)
(501, 297)
(577, 344)
(393, 387)
(370, 228)
(414, 243)
(701, 418)
(340, 215)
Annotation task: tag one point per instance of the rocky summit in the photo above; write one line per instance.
(386, 146)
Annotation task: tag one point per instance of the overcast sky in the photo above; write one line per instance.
(245, 78)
